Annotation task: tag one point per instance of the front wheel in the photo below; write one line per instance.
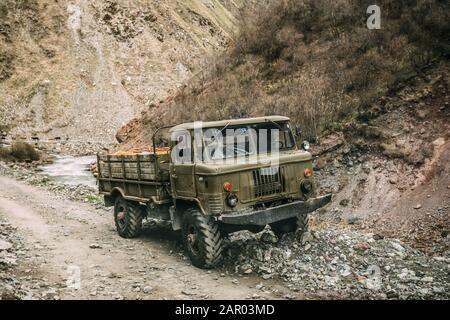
(128, 218)
(202, 239)
(299, 224)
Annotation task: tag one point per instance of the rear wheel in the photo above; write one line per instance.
(202, 239)
(128, 217)
(299, 224)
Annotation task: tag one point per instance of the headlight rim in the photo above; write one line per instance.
(231, 196)
(305, 145)
(306, 186)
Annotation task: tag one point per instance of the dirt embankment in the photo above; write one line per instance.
(390, 172)
(388, 223)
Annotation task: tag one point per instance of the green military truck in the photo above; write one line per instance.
(210, 179)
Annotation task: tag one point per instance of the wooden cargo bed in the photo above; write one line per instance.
(139, 174)
(134, 167)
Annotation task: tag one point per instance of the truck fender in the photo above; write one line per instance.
(111, 198)
(177, 211)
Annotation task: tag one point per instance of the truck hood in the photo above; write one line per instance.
(218, 167)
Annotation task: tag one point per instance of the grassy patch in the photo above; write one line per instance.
(40, 182)
(94, 199)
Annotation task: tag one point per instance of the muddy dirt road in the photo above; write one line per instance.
(65, 237)
(51, 233)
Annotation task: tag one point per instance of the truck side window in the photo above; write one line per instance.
(182, 151)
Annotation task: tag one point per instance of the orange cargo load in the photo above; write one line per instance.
(141, 150)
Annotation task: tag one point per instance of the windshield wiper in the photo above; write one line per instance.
(226, 126)
(279, 127)
(220, 131)
(242, 151)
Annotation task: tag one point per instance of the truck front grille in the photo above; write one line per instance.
(268, 181)
(215, 204)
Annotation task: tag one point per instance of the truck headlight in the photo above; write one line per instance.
(232, 200)
(306, 186)
(305, 145)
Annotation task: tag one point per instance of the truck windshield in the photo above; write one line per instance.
(240, 141)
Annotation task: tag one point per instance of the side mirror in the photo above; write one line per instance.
(298, 131)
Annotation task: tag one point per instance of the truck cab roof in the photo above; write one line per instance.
(230, 122)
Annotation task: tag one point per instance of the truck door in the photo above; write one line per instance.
(182, 167)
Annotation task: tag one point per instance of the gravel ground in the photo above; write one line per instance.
(342, 263)
(25, 284)
(323, 263)
(49, 241)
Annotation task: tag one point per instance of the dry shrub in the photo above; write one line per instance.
(23, 151)
(5, 154)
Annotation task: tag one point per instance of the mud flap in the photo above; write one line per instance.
(176, 219)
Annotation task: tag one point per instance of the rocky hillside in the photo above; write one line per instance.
(315, 61)
(389, 169)
(79, 70)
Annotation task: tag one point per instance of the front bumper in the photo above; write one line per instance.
(274, 214)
